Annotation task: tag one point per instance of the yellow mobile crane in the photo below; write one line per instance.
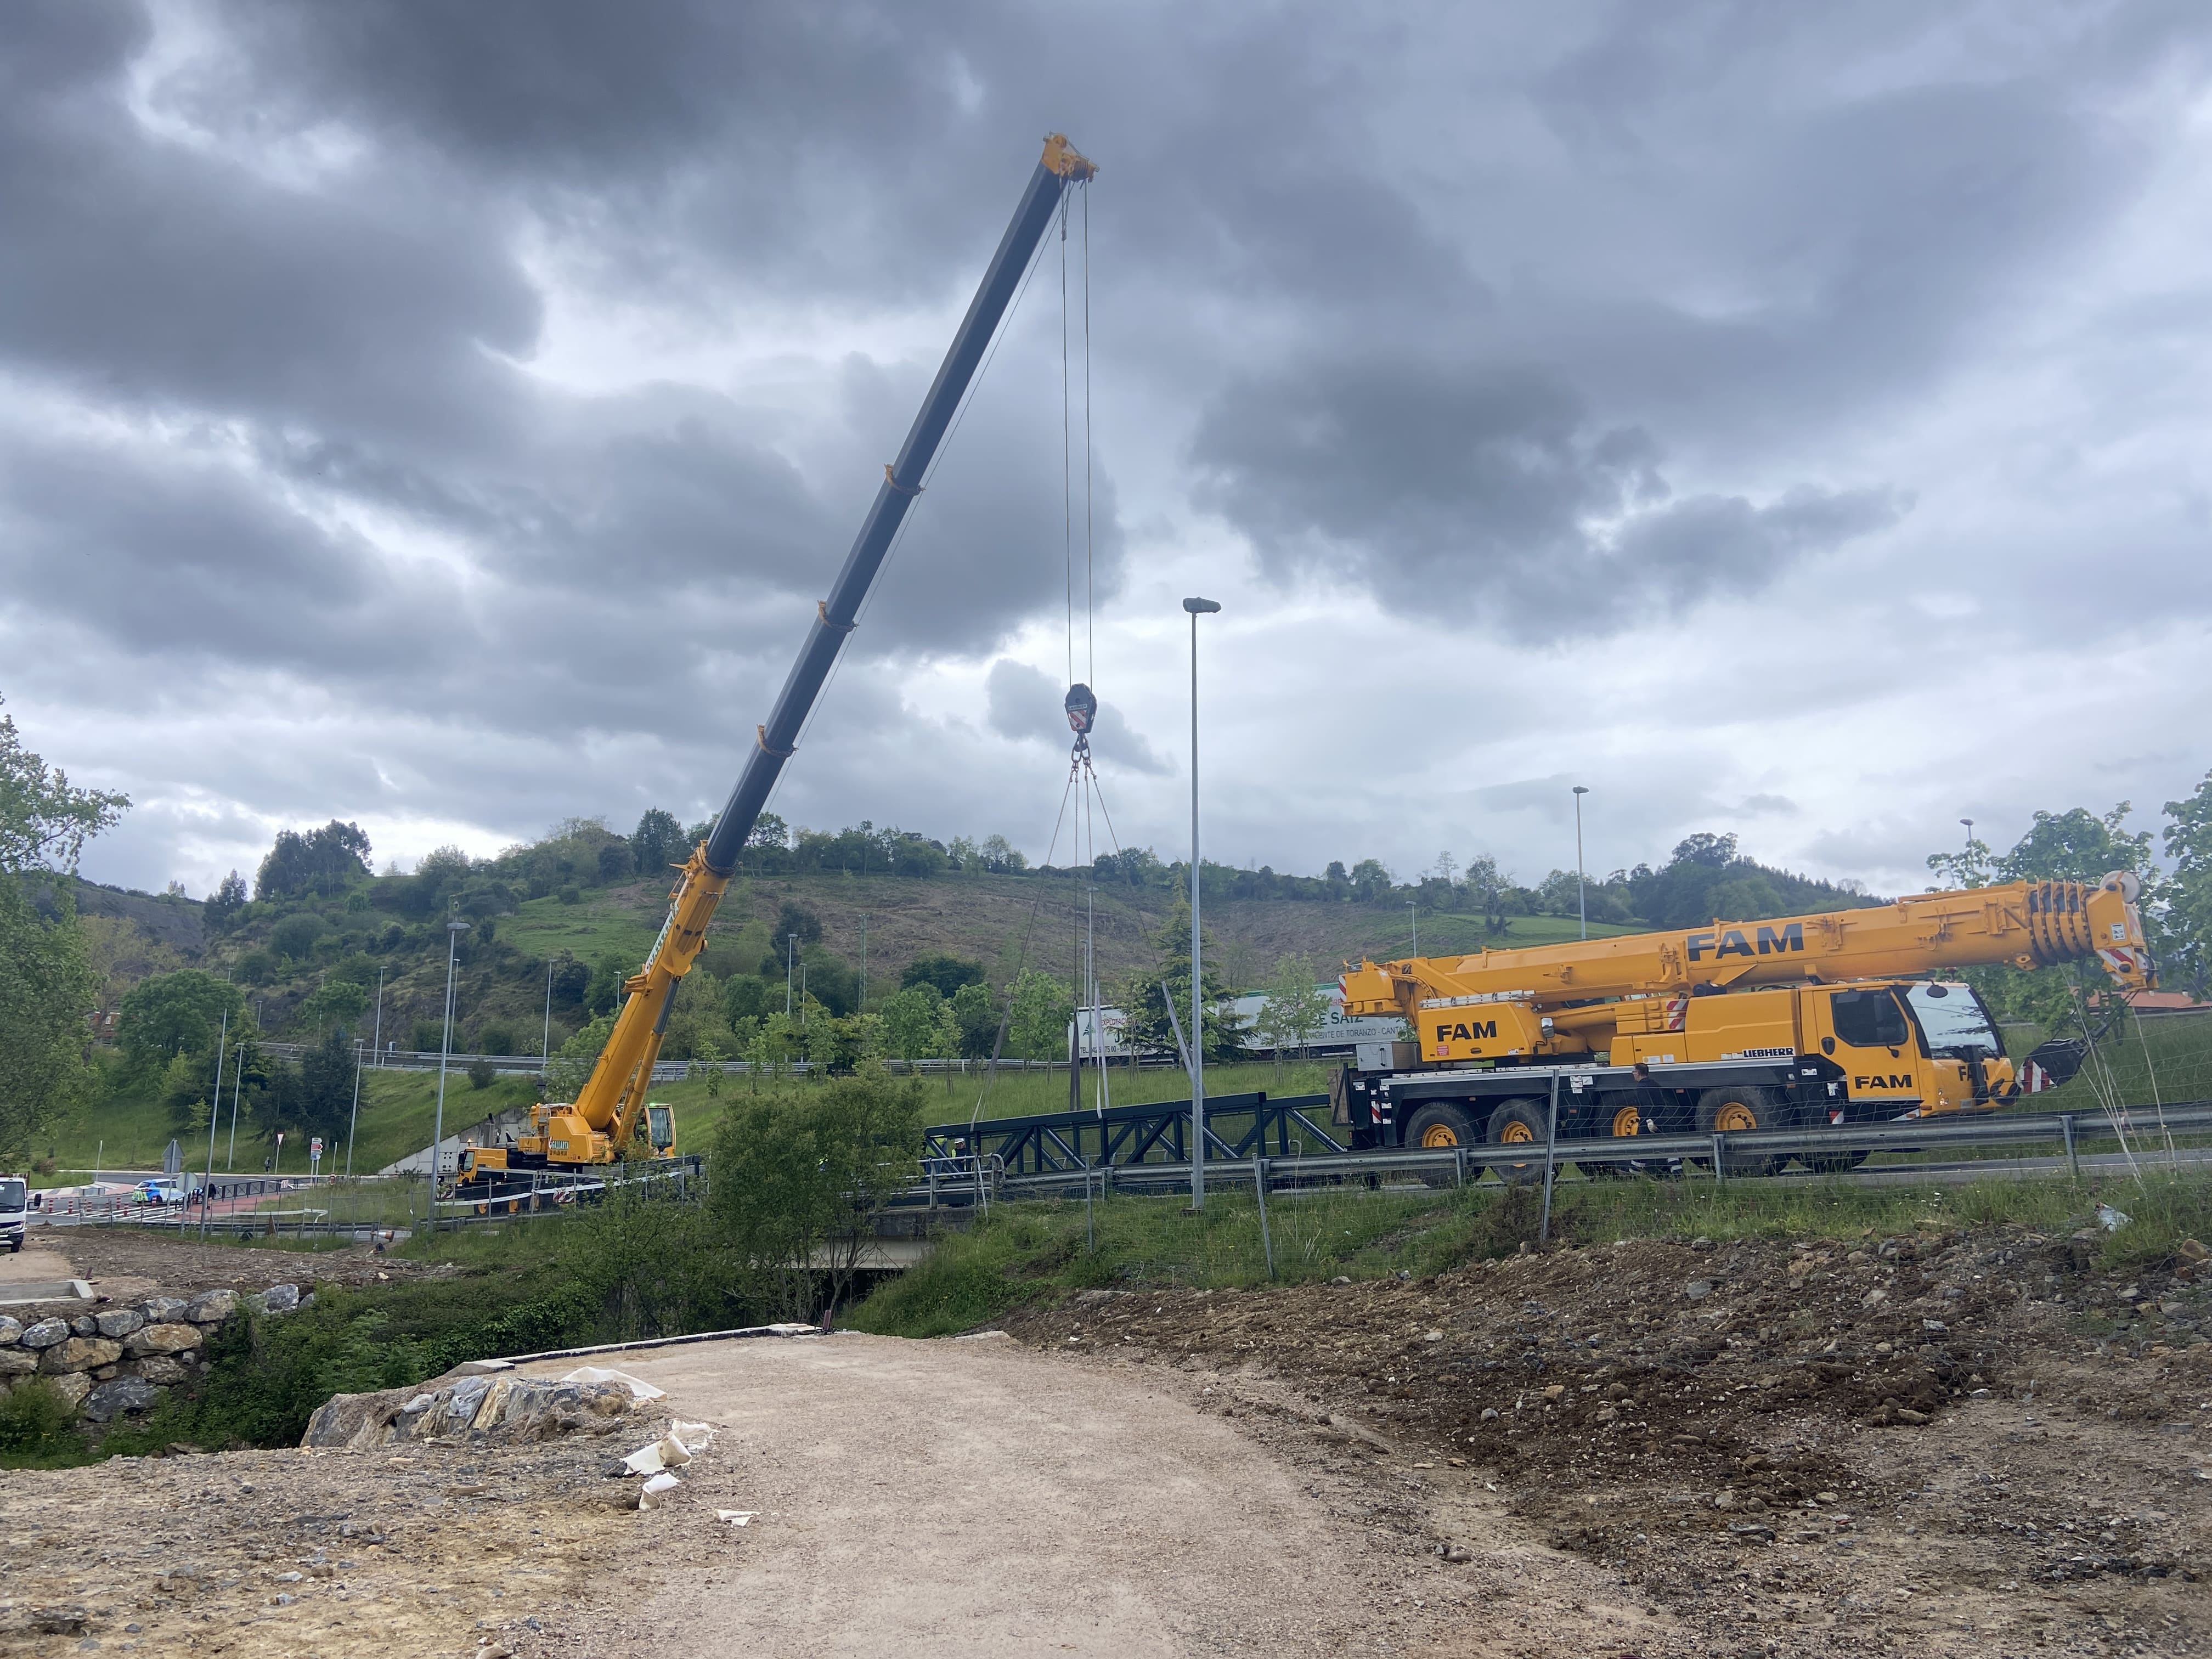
(1834, 1017)
(611, 1109)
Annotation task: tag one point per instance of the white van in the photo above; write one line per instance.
(12, 1190)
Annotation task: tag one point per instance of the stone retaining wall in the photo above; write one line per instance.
(114, 1361)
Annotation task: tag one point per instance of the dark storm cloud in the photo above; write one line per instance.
(1022, 702)
(1489, 493)
(1551, 315)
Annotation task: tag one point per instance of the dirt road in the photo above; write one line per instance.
(974, 1496)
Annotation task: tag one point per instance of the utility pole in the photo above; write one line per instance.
(376, 1043)
(1413, 909)
(237, 1088)
(353, 1119)
(453, 931)
(790, 951)
(215, 1111)
(1582, 897)
(864, 962)
(1197, 607)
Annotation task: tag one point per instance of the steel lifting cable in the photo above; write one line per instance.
(1021, 954)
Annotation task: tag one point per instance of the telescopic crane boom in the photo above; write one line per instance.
(608, 1112)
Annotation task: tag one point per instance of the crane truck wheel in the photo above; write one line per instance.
(1518, 1123)
(1732, 1110)
(1627, 1120)
(1439, 1126)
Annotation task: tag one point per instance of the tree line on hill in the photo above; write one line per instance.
(318, 925)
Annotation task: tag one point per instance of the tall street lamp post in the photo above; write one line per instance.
(1582, 895)
(1197, 607)
(453, 931)
(1413, 912)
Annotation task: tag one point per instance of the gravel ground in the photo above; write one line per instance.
(1640, 1449)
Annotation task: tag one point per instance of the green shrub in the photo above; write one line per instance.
(481, 1074)
(34, 1425)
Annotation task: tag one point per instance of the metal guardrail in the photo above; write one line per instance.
(676, 1071)
(1725, 1155)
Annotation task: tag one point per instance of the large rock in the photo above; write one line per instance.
(212, 1307)
(157, 1369)
(79, 1353)
(46, 1334)
(72, 1386)
(161, 1338)
(10, 1330)
(279, 1299)
(84, 1325)
(18, 1361)
(124, 1394)
(503, 1408)
(162, 1310)
(118, 1322)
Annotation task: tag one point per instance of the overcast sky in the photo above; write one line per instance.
(1783, 420)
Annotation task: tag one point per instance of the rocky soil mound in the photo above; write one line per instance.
(1977, 1436)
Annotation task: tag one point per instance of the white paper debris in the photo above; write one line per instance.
(735, 1517)
(638, 1390)
(654, 1488)
(2112, 1219)
(694, 1437)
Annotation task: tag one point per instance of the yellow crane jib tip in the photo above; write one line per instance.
(1064, 159)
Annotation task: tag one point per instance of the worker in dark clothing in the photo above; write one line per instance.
(1652, 1102)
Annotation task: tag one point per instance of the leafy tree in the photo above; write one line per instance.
(1148, 1026)
(796, 918)
(1486, 888)
(1296, 1007)
(179, 1013)
(224, 903)
(572, 1067)
(976, 1017)
(1037, 1026)
(1001, 857)
(696, 1017)
(321, 861)
(45, 822)
(1714, 851)
(2076, 846)
(296, 935)
(335, 1002)
(46, 989)
(2186, 916)
(657, 843)
(1369, 880)
(918, 1023)
(709, 1055)
(602, 994)
(947, 974)
(798, 1181)
(614, 863)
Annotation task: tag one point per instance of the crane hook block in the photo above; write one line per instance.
(1082, 708)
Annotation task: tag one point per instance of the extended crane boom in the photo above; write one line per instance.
(607, 1112)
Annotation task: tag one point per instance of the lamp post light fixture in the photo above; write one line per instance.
(1197, 607)
(1581, 896)
(453, 931)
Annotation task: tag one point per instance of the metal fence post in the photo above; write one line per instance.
(1551, 1145)
(1719, 1175)
(1260, 1188)
(1090, 1226)
(2072, 1159)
